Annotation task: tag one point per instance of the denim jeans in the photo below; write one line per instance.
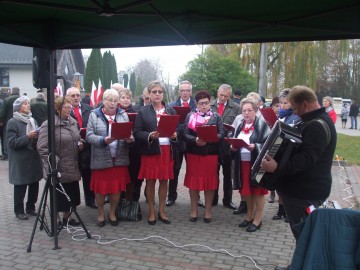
(353, 122)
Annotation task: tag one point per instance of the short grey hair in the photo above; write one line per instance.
(152, 84)
(328, 98)
(284, 93)
(111, 93)
(225, 87)
(248, 100)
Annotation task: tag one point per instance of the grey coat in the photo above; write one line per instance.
(66, 148)
(24, 164)
(97, 130)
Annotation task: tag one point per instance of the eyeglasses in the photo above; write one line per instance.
(146, 98)
(67, 107)
(157, 92)
(74, 95)
(185, 90)
(113, 100)
(247, 111)
(204, 103)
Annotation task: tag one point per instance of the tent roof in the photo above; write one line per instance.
(68, 24)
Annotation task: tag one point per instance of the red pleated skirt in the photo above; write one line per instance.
(201, 172)
(110, 180)
(159, 166)
(246, 189)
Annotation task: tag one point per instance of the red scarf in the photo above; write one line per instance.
(247, 130)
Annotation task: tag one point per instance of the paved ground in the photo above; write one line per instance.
(272, 245)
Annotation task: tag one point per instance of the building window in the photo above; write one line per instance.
(4, 77)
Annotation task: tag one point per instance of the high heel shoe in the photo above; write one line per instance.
(245, 223)
(193, 219)
(207, 220)
(113, 222)
(163, 220)
(252, 227)
(152, 222)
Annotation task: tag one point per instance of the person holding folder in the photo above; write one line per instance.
(157, 162)
(254, 131)
(109, 156)
(201, 156)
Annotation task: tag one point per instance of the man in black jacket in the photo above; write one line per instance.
(81, 112)
(185, 100)
(228, 111)
(305, 180)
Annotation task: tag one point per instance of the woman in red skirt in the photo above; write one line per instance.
(254, 132)
(202, 157)
(157, 162)
(109, 157)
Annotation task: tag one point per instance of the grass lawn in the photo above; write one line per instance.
(348, 148)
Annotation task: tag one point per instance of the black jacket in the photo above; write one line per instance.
(190, 135)
(146, 123)
(307, 175)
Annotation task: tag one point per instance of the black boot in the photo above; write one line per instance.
(242, 209)
(280, 213)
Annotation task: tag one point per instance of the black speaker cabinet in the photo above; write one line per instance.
(41, 68)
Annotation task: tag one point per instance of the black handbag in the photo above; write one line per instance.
(128, 211)
(235, 171)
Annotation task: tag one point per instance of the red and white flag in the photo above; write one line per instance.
(93, 95)
(100, 92)
(110, 84)
(58, 90)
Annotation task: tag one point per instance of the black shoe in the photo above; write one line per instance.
(207, 220)
(229, 204)
(113, 222)
(22, 216)
(252, 227)
(245, 223)
(193, 219)
(279, 215)
(152, 222)
(101, 223)
(92, 205)
(31, 213)
(170, 202)
(71, 222)
(163, 220)
(242, 209)
(201, 204)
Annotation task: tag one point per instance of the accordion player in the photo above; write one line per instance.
(280, 144)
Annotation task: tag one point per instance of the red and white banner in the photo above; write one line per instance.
(100, 92)
(93, 96)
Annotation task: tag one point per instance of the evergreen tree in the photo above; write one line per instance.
(126, 80)
(132, 83)
(93, 69)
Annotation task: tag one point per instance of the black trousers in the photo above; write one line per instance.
(173, 184)
(296, 211)
(86, 178)
(19, 195)
(227, 185)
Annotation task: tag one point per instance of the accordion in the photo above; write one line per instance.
(280, 144)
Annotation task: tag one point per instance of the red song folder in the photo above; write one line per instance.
(167, 124)
(83, 133)
(182, 111)
(269, 116)
(228, 127)
(236, 143)
(207, 133)
(121, 130)
(132, 117)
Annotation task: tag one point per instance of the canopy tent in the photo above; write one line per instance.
(68, 24)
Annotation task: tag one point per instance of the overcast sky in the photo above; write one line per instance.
(172, 59)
